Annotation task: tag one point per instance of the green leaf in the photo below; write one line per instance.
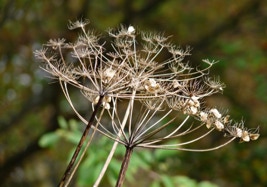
(62, 122)
(112, 179)
(115, 167)
(73, 136)
(163, 154)
(155, 184)
(146, 156)
(138, 162)
(185, 181)
(48, 139)
(207, 184)
(167, 181)
(74, 125)
(88, 175)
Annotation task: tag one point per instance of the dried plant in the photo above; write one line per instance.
(141, 85)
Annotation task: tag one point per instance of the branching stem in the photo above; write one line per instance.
(80, 144)
(124, 166)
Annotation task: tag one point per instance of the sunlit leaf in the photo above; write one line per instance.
(167, 181)
(155, 184)
(185, 181)
(161, 154)
(62, 122)
(207, 184)
(48, 139)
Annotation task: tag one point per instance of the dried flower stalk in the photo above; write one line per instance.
(146, 73)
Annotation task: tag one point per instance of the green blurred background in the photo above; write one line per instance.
(232, 32)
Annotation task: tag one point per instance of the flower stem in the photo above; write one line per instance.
(67, 172)
(114, 147)
(124, 166)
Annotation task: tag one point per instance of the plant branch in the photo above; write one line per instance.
(84, 151)
(79, 146)
(124, 166)
(114, 147)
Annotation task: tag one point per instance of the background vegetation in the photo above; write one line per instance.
(232, 32)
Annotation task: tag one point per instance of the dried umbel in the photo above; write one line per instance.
(144, 74)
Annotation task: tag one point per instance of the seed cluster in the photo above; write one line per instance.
(138, 67)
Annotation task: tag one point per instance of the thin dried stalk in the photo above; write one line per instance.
(68, 170)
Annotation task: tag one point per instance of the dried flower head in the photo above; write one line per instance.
(146, 73)
(143, 86)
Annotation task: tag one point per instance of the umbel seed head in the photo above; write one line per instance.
(144, 68)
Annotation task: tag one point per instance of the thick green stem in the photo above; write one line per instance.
(124, 166)
(80, 144)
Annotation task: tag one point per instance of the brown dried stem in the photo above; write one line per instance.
(79, 146)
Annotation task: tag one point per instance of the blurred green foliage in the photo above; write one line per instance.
(141, 160)
(232, 32)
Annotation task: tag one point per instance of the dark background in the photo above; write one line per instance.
(232, 32)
